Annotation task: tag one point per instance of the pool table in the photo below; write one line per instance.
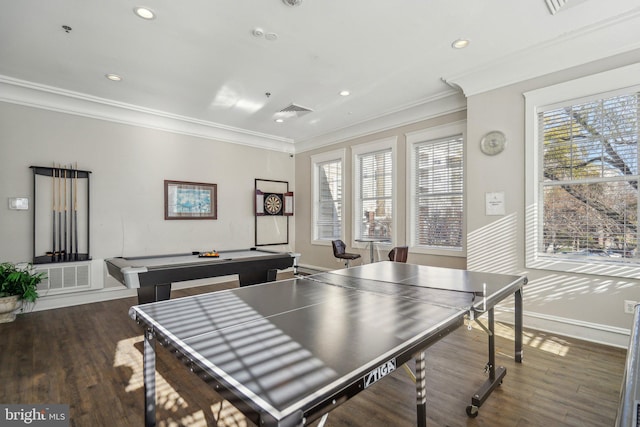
(153, 275)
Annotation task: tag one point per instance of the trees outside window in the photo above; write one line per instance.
(588, 179)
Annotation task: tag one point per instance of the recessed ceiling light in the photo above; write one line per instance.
(345, 93)
(279, 120)
(113, 77)
(460, 44)
(144, 12)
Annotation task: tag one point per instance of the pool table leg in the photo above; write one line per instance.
(154, 293)
(257, 276)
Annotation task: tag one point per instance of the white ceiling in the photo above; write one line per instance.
(199, 64)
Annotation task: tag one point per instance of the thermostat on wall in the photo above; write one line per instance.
(19, 203)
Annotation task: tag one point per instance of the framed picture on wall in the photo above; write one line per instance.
(190, 200)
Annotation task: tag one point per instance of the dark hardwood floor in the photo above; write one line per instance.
(90, 357)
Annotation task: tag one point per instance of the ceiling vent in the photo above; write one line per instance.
(555, 5)
(295, 110)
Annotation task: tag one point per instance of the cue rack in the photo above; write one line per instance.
(60, 214)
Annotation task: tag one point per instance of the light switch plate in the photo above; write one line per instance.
(19, 203)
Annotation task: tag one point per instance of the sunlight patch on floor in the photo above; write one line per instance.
(541, 341)
(228, 415)
(193, 420)
(128, 357)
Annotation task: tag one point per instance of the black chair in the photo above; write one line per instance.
(339, 252)
(399, 254)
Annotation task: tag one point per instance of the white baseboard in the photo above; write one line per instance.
(50, 302)
(53, 301)
(571, 328)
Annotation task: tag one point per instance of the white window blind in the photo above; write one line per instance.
(375, 199)
(439, 193)
(588, 179)
(328, 223)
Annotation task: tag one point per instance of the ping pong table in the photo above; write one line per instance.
(286, 353)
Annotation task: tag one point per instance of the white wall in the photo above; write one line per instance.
(129, 165)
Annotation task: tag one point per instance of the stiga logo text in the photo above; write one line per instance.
(379, 372)
(34, 415)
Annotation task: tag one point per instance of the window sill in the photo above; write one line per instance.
(602, 268)
(425, 250)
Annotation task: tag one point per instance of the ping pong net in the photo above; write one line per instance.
(438, 293)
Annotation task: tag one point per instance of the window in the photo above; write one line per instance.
(373, 189)
(436, 189)
(584, 182)
(327, 195)
(589, 178)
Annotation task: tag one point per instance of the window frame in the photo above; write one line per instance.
(356, 152)
(596, 86)
(316, 160)
(433, 134)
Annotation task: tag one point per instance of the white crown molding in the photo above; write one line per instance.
(449, 101)
(598, 41)
(34, 95)
(49, 98)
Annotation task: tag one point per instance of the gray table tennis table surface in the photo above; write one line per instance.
(283, 352)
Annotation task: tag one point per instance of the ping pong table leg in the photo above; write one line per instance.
(421, 388)
(492, 347)
(518, 325)
(149, 368)
(495, 375)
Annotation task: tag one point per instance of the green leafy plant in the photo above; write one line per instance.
(22, 281)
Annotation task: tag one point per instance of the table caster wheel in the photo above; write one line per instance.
(472, 411)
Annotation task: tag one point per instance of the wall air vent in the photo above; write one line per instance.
(62, 279)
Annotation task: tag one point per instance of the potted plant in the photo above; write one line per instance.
(17, 284)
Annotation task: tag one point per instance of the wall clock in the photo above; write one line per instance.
(493, 143)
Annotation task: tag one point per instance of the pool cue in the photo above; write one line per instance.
(59, 210)
(53, 209)
(70, 254)
(65, 212)
(75, 209)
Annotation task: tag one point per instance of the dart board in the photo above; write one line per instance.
(273, 204)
